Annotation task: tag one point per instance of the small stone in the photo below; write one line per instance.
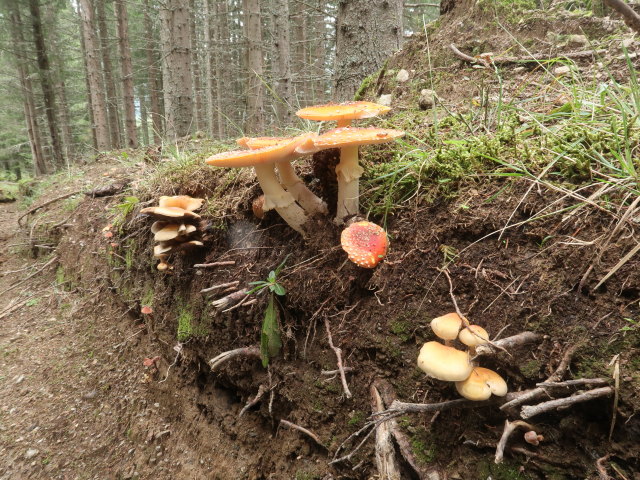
(627, 42)
(580, 40)
(563, 70)
(518, 69)
(19, 379)
(402, 76)
(32, 452)
(385, 100)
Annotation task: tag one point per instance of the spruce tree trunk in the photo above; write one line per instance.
(176, 67)
(255, 101)
(46, 83)
(209, 35)
(298, 42)
(223, 67)
(30, 114)
(195, 65)
(283, 70)
(98, 102)
(367, 33)
(113, 115)
(83, 49)
(127, 75)
(153, 76)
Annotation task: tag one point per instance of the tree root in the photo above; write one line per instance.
(308, 433)
(509, 428)
(252, 351)
(338, 352)
(529, 411)
(388, 467)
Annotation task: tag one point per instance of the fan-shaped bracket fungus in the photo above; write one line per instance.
(366, 243)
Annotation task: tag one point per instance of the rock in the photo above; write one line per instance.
(427, 99)
(628, 42)
(578, 40)
(563, 70)
(385, 100)
(19, 380)
(518, 69)
(32, 452)
(402, 76)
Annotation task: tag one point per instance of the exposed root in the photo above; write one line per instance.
(252, 352)
(388, 467)
(220, 285)
(215, 264)
(509, 428)
(231, 299)
(261, 391)
(308, 433)
(602, 470)
(338, 353)
(509, 343)
(529, 411)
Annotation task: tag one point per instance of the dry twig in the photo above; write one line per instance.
(214, 264)
(307, 432)
(529, 411)
(388, 467)
(220, 285)
(34, 209)
(30, 276)
(252, 351)
(509, 428)
(338, 353)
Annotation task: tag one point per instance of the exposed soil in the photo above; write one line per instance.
(77, 401)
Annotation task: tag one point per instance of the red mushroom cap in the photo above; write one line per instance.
(365, 242)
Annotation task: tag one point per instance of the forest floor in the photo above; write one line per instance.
(514, 196)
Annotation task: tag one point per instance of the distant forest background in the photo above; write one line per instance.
(85, 76)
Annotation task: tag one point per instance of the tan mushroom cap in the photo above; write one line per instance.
(447, 326)
(169, 213)
(255, 143)
(366, 243)
(351, 137)
(473, 335)
(248, 158)
(181, 201)
(342, 111)
(161, 250)
(444, 363)
(481, 384)
(170, 231)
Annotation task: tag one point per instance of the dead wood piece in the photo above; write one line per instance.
(388, 467)
(35, 209)
(53, 259)
(219, 286)
(509, 428)
(338, 353)
(307, 432)
(261, 390)
(573, 383)
(529, 411)
(231, 299)
(509, 343)
(328, 373)
(602, 470)
(252, 351)
(400, 408)
(214, 264)
(107, 190)
(630, 17)
(467, 58)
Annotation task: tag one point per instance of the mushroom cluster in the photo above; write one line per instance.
(174, 227)
(445, 362)
(289, 196)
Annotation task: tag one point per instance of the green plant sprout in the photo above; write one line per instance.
(270, 340)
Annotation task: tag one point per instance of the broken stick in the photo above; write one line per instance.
(338, 352)
(529, 411)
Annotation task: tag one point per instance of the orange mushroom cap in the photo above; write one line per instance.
(342, 111)
(366, 243)
(351, 137)
(248, 158)
(261, 142)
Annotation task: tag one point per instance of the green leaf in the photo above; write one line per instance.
(272, 277)
(281, 266)
(270, 342)
(279, 289)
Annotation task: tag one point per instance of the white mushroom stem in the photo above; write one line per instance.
(348, 172)
(275, 197)
(294, 185)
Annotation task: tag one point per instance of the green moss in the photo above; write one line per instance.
(364, 86)
(531, 369)
(356, 418)
(188, 327)
(424, 446)
(401, 330)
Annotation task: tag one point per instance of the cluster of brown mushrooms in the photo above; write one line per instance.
(288, 195)
(174, 228)
(447, 363)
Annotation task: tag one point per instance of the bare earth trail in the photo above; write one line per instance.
(72, 403)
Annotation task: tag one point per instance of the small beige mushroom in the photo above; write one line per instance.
(447, 326)
(444, 363)
(169, 213)
(473, 335)
(481, 383)
(181, 201)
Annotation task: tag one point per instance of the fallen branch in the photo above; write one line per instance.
(220, 285)
(328, 373)
(338, 353)
(388, 467)
(53, 259)
(231, 299)
(308, 433)
(509, 343)
(108, 190)
(35, 209)
(509, 428)
(252, 351)
(630, 17)
(573, 383)
(214, 264)
(467, 58)
(529, 411)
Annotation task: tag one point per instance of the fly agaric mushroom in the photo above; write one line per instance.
(348, 171)
(366, 243)
(447, 326)
(293, 184)
(181, 201)
(344, 113)
(481, 383)
(444, 363)
(262, 161)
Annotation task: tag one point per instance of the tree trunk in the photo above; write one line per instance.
(83, 50)
(367, 33)
(144, 121)
(65, 118)
(95, 82)
(127, 75)
(209, 35)
(176, 68)
(298, 43)
(223, 68)
(47, 84)
(255, 102)
(195, 65)
(447, 6)
(283, 70)
(113, 115)
(30, 115)
(153, 76)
